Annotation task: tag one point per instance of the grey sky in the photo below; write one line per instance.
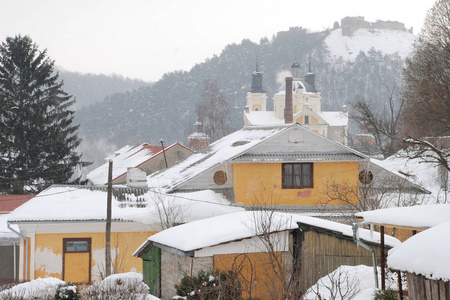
(146, 38)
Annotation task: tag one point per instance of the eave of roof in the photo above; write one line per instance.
(297, 157)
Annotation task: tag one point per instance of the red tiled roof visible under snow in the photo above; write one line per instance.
(8, 203)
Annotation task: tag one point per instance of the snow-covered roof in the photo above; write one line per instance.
(268, 118)
(128, 156)
(65, 203)
(419, 216)
(335, 118)
(426, 253)
(416, 171)
(259, 118)
(384, 40)
(236, 226)
(226, 148)
(7, 235)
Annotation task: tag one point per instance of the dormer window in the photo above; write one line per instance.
(256, 109)
(306, 119)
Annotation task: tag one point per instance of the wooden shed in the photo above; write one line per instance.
(306, 248)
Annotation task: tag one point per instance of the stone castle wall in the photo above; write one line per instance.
(350, 24)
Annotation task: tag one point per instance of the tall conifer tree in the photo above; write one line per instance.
(37, 139)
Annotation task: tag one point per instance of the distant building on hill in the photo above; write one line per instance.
(304, 106)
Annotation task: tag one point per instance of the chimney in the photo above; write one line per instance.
(288, 109)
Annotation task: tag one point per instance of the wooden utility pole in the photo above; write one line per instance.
(164, 152)
(108, 222)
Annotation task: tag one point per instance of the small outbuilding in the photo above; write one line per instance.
(272, 253)
(425, 260)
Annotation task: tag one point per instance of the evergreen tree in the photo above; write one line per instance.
(37, 139)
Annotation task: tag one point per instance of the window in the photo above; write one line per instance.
(76, 245)
(297, 175)
(306, 119)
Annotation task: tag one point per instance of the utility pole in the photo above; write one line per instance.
(164, 152)
(108, 222)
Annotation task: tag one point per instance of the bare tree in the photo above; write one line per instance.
(381, 192)
(427, 89)
(213, 111)
(168, 209)
(282, 280)
(384, 124)
(427, 77)
(337, 285)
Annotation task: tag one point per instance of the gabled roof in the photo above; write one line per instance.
(335, 118)
(88, 203)
(124, 158)
(426, 254)
(240, 143)
(307, 111)
(211, 232)
(222, 150)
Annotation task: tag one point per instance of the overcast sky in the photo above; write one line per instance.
(147, 38)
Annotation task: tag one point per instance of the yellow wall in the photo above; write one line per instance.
(49, 252)
(256, 273)
(260, 183)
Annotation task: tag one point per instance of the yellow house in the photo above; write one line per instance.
(62, 230)
(288, 166)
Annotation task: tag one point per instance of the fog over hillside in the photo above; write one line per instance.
(361, 65)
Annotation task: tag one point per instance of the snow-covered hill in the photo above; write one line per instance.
(384, 40)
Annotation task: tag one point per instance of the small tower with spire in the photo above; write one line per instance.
(256, 98)
(310, 77)
(198, 140)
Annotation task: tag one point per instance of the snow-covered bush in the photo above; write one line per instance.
(116, 287)
(210, 285)
(67, 291)
(42, 288)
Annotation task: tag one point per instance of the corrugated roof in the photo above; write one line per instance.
(311, 157)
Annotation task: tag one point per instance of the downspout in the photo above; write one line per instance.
(360, 243)
(26, 248)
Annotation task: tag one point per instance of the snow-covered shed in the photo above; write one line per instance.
(255, 244)
(62, 229)
(412, 219)
(425, 259)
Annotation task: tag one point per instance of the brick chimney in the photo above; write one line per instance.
(288, 106)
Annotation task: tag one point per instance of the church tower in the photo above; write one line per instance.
(256, 98)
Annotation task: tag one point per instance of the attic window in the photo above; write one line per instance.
(220, 177)
(365, 177)
(306, 119)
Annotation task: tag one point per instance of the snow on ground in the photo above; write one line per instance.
(384, 40)
(112, 286)
(357, 282)
(42, 288)
(425, 253)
